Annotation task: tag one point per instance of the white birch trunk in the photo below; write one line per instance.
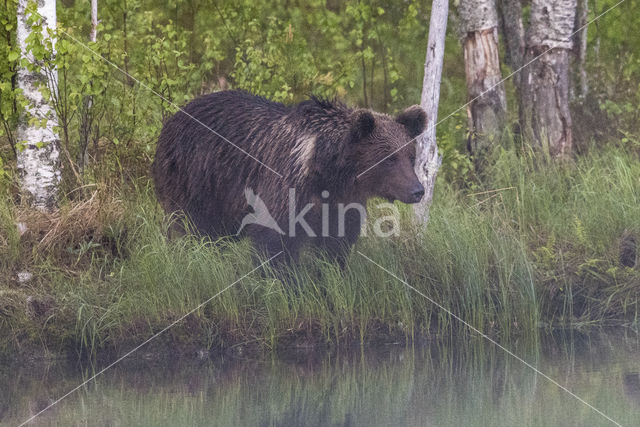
(86, 120)
(38, 154)
(428, 160)
(94, 20)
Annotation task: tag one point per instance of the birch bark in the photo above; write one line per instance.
(37, 151)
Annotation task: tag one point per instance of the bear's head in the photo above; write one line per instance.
(386, 153)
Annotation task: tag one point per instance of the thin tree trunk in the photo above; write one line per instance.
(513, 34)
(87, 116)
(596, 24)
(8, 128)
(371, 81)
(582, 14)
(94, 20)
(545, 116)
(513, 30)
(428, 160)
(38, 152)
(485, 92)
(385, 72)
(125, 40)
(364, 80)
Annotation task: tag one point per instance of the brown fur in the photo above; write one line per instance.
(316, 146)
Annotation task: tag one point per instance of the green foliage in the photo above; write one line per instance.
(365, 52)
(457, 167)
(275, 62)
(9, 94)
(525, 242)
(108, 122)
(614, 72)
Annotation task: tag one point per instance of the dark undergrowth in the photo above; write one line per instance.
(538, 245)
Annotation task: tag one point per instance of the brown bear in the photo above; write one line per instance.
(284, 175)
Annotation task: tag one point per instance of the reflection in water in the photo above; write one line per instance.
(468, 383)
(632, 387)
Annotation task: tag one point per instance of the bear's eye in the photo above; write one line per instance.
(412, 158)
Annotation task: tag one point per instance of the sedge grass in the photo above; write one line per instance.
(536, 244)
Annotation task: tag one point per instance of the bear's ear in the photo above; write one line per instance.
(414, 119)
(363, 124)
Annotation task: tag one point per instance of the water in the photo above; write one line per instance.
(465, 384)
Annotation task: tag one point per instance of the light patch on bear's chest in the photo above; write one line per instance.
(303, 152)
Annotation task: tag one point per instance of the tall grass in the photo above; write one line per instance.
(574, 219)
(537, 244)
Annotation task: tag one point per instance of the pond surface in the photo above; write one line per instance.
(470, 384)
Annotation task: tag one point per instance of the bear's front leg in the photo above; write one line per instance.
(284, 251)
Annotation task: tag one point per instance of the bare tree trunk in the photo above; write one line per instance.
(94, 20)
(485, 92)
(364, 80)
(513, 30)
(582, 14)
(38, 151)
(428, 160)
(125, 40)
(596, 24)
(87, 116)
(545, 116)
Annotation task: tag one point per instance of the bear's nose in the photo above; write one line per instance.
(417, 193)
